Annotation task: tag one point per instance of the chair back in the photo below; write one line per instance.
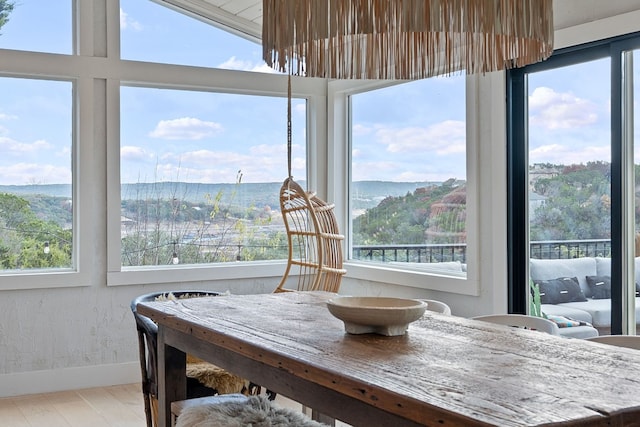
(628, 341)
(522, 321)
(437, 306)
(315, 243)
(148, 344)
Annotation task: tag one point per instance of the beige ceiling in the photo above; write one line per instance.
(244, 17)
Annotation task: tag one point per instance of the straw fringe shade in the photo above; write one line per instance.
(404, 39)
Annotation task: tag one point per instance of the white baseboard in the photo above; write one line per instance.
(32, 382)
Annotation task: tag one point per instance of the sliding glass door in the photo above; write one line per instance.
(572, 187)
(569, 160)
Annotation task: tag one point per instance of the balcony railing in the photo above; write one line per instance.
(563, 249)
(412, 253)
(429, 253)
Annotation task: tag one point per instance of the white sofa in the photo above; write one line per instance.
(594, 310)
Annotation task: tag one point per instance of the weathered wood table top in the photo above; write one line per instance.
(446, 371)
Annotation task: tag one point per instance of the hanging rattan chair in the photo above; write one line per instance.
(315, 242)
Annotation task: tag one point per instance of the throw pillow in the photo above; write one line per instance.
(600, 286)
(560, 290)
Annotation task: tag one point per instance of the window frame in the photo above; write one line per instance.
(77, 275)
(339, 93)
(612, 47)
(211, 80)
(98, 72)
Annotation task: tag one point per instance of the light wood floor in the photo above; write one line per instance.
(115, 406)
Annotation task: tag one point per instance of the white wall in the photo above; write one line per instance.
(64, 338)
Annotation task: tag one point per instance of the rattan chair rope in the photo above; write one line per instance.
(314, 239)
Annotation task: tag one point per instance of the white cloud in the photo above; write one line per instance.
(300, 108)
(558, 154)
(223, 166)
(185, 128)
(263, 150)
(360, 130)
(403, 171)
(132, 153)
(7, 116)
(234, 63)
(9, 146)
(127, 23)
(412, 153)
(554, 110)
(29, 173)
(442, 138)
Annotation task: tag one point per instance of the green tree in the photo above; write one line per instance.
(405, 219)
(23, 236)
(14, 210)
(6, 7)
(577, 205)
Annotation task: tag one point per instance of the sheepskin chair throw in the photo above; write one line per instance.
(222, 381)
(255, 411)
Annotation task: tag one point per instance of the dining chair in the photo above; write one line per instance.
(629, 341)
(203, 379)
(437, 306)
(521, 321)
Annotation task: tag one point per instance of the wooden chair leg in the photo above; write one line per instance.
(317, 416)
(145, 382)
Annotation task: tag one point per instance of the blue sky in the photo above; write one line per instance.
(413, 132)
(569, 114)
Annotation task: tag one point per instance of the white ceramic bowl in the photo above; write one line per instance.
(379, 315)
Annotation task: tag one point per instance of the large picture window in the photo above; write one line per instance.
(200, 175)
(408, 175)
(36, 197)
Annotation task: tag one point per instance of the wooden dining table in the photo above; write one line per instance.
(445, 371)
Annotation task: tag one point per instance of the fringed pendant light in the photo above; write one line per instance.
(404, 39)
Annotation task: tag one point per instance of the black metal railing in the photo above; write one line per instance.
(412, 253)
(564, 249)
(429, 253)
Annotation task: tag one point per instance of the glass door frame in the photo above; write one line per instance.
(621, 176)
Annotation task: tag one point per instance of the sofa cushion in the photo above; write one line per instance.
(603, 267)
(547, 269)
(560, 290)
(563, 310)
(600, 286)
(600, 310)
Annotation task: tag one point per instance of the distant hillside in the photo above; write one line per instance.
(369, 194)
(258, 194)
(432, 213)
(55, 190)
(366, 194)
